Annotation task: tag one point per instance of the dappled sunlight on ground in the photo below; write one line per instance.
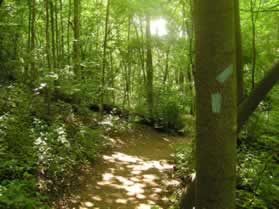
(137, 175)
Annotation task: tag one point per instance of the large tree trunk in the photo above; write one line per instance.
(216, 125)
(249, 105)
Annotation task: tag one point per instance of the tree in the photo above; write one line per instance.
(246, 106)
(216, 104)
(32, 26)
(249, 105)
(149, 69)
(76, 46)
(104, 58)
(47, 34)
(239, 61)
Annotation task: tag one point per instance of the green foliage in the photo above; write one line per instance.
(43, 140)
(184, 160)
(257, 183)
(170, 111)
(257, 159)
(18, 184)
(39, 156)
(63, 148)
(169, 115)
(21, 194)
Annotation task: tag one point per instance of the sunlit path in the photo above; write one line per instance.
(136, 175)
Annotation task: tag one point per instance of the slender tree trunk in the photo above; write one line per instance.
(76, 42)
(47, 34)
(29, 25)
(239, 63)
(166, 73)
(112, 77)
(249, 105)
(128, 68)
(53, 47)
(104, 61)
(68, 33)
(216, 125)
(32, 40)
(57, 38)
(189, 29)
(190, 68)
(149, 69)
(97, 28)
(141, 51)
(49, 64)
(61, 32)
(254, 49)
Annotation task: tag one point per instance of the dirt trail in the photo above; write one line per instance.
(135, 175)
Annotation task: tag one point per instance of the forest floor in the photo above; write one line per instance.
(137, 173)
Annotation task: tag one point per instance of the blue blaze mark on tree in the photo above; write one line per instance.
(222, 77)
(216, 102)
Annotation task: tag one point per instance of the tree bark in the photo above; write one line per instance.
(239, 62)
(47, 34)
(104, 59)
(128, 67)
(76, 45)
(216, 113)
(190, 67)
(52, 22)
(68, 32)
(254, 49)
(62, 31)
(32, 40)
(149, 69)
(166, 73)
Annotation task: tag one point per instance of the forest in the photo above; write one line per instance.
(139, 104)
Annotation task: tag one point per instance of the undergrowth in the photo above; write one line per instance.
(41, 148)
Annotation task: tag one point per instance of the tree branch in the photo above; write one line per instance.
(258, 11)
(249, 105)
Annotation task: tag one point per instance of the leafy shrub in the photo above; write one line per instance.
(168, 115)
(21, 194)
(169, 110)
(257, 171)
(61, 149)
(39, 156)
(184, 160)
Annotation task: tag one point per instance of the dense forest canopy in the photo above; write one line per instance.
(71, 70)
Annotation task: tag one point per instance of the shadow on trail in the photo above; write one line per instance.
(136, 175)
